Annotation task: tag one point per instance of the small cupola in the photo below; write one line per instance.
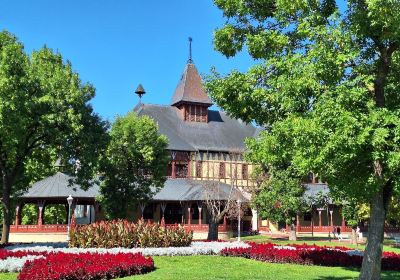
(190, 96)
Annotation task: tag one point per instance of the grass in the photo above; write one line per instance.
(8, 276)
(388, 244)
(216, 267)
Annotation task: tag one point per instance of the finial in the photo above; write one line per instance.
(140, 91)
(190, 50)
(59, 165)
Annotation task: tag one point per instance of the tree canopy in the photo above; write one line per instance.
(134, 165)
(325, 86)
(44, 114)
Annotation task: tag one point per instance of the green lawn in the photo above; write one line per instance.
(216, 267)
(388, 244)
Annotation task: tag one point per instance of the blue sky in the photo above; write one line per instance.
(115, 45)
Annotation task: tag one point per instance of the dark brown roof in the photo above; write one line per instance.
(222, 133)
(190, 88)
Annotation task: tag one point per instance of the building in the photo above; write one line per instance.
(205, 146)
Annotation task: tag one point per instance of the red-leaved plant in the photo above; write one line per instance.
(122, 233)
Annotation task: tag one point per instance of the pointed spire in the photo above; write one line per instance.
(190, 88)
(190, 60)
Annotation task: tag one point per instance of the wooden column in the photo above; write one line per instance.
(163, 206)
(142, 206)
(200, 215)
(18, 210)
(312, 222)
(40, 215)
(343, 224)
(189, 215)
(173, 170)
(297, 222)
(320, 220)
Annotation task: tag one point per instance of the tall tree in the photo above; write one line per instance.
(327, 85)
(44, 113)
(134, 165)
(280, 198)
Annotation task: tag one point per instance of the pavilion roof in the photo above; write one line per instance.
(197, 190)
(59, 186)
(313, 190)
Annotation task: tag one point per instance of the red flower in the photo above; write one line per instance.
(86, 266)
(308, 254)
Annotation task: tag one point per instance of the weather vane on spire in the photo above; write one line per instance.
(190, 50)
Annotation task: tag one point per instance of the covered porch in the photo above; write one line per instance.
(183, 201)
(53, 191)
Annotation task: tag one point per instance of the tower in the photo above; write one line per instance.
(190, 96)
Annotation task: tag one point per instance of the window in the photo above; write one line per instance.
(245, 172)
(222, 170)
(199, 167)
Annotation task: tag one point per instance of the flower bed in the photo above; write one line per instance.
(86, 266)
(4, 254)
(309, 255)
(18, 254)
(122, 233)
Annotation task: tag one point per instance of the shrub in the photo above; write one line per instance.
(309, 254)
(88, 266)
(122, 233)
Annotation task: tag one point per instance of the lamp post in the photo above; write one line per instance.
(238, 204)
(69, 200)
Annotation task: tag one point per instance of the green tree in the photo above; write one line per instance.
(326, 85)
(280, 195)
(44, 113)
(134, 165)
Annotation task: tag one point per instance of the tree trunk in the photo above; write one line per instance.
(212, 230)
(371, 265)
(292, 233)
(354, 236)
(6, 205)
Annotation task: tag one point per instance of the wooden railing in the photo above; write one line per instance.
(38, 228)
(322, 228)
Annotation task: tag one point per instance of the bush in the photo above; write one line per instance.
(121, 233)
(309, 255)
(88, 266)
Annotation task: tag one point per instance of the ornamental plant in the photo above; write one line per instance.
(122, 233)
(309, 255)
(88, 266)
